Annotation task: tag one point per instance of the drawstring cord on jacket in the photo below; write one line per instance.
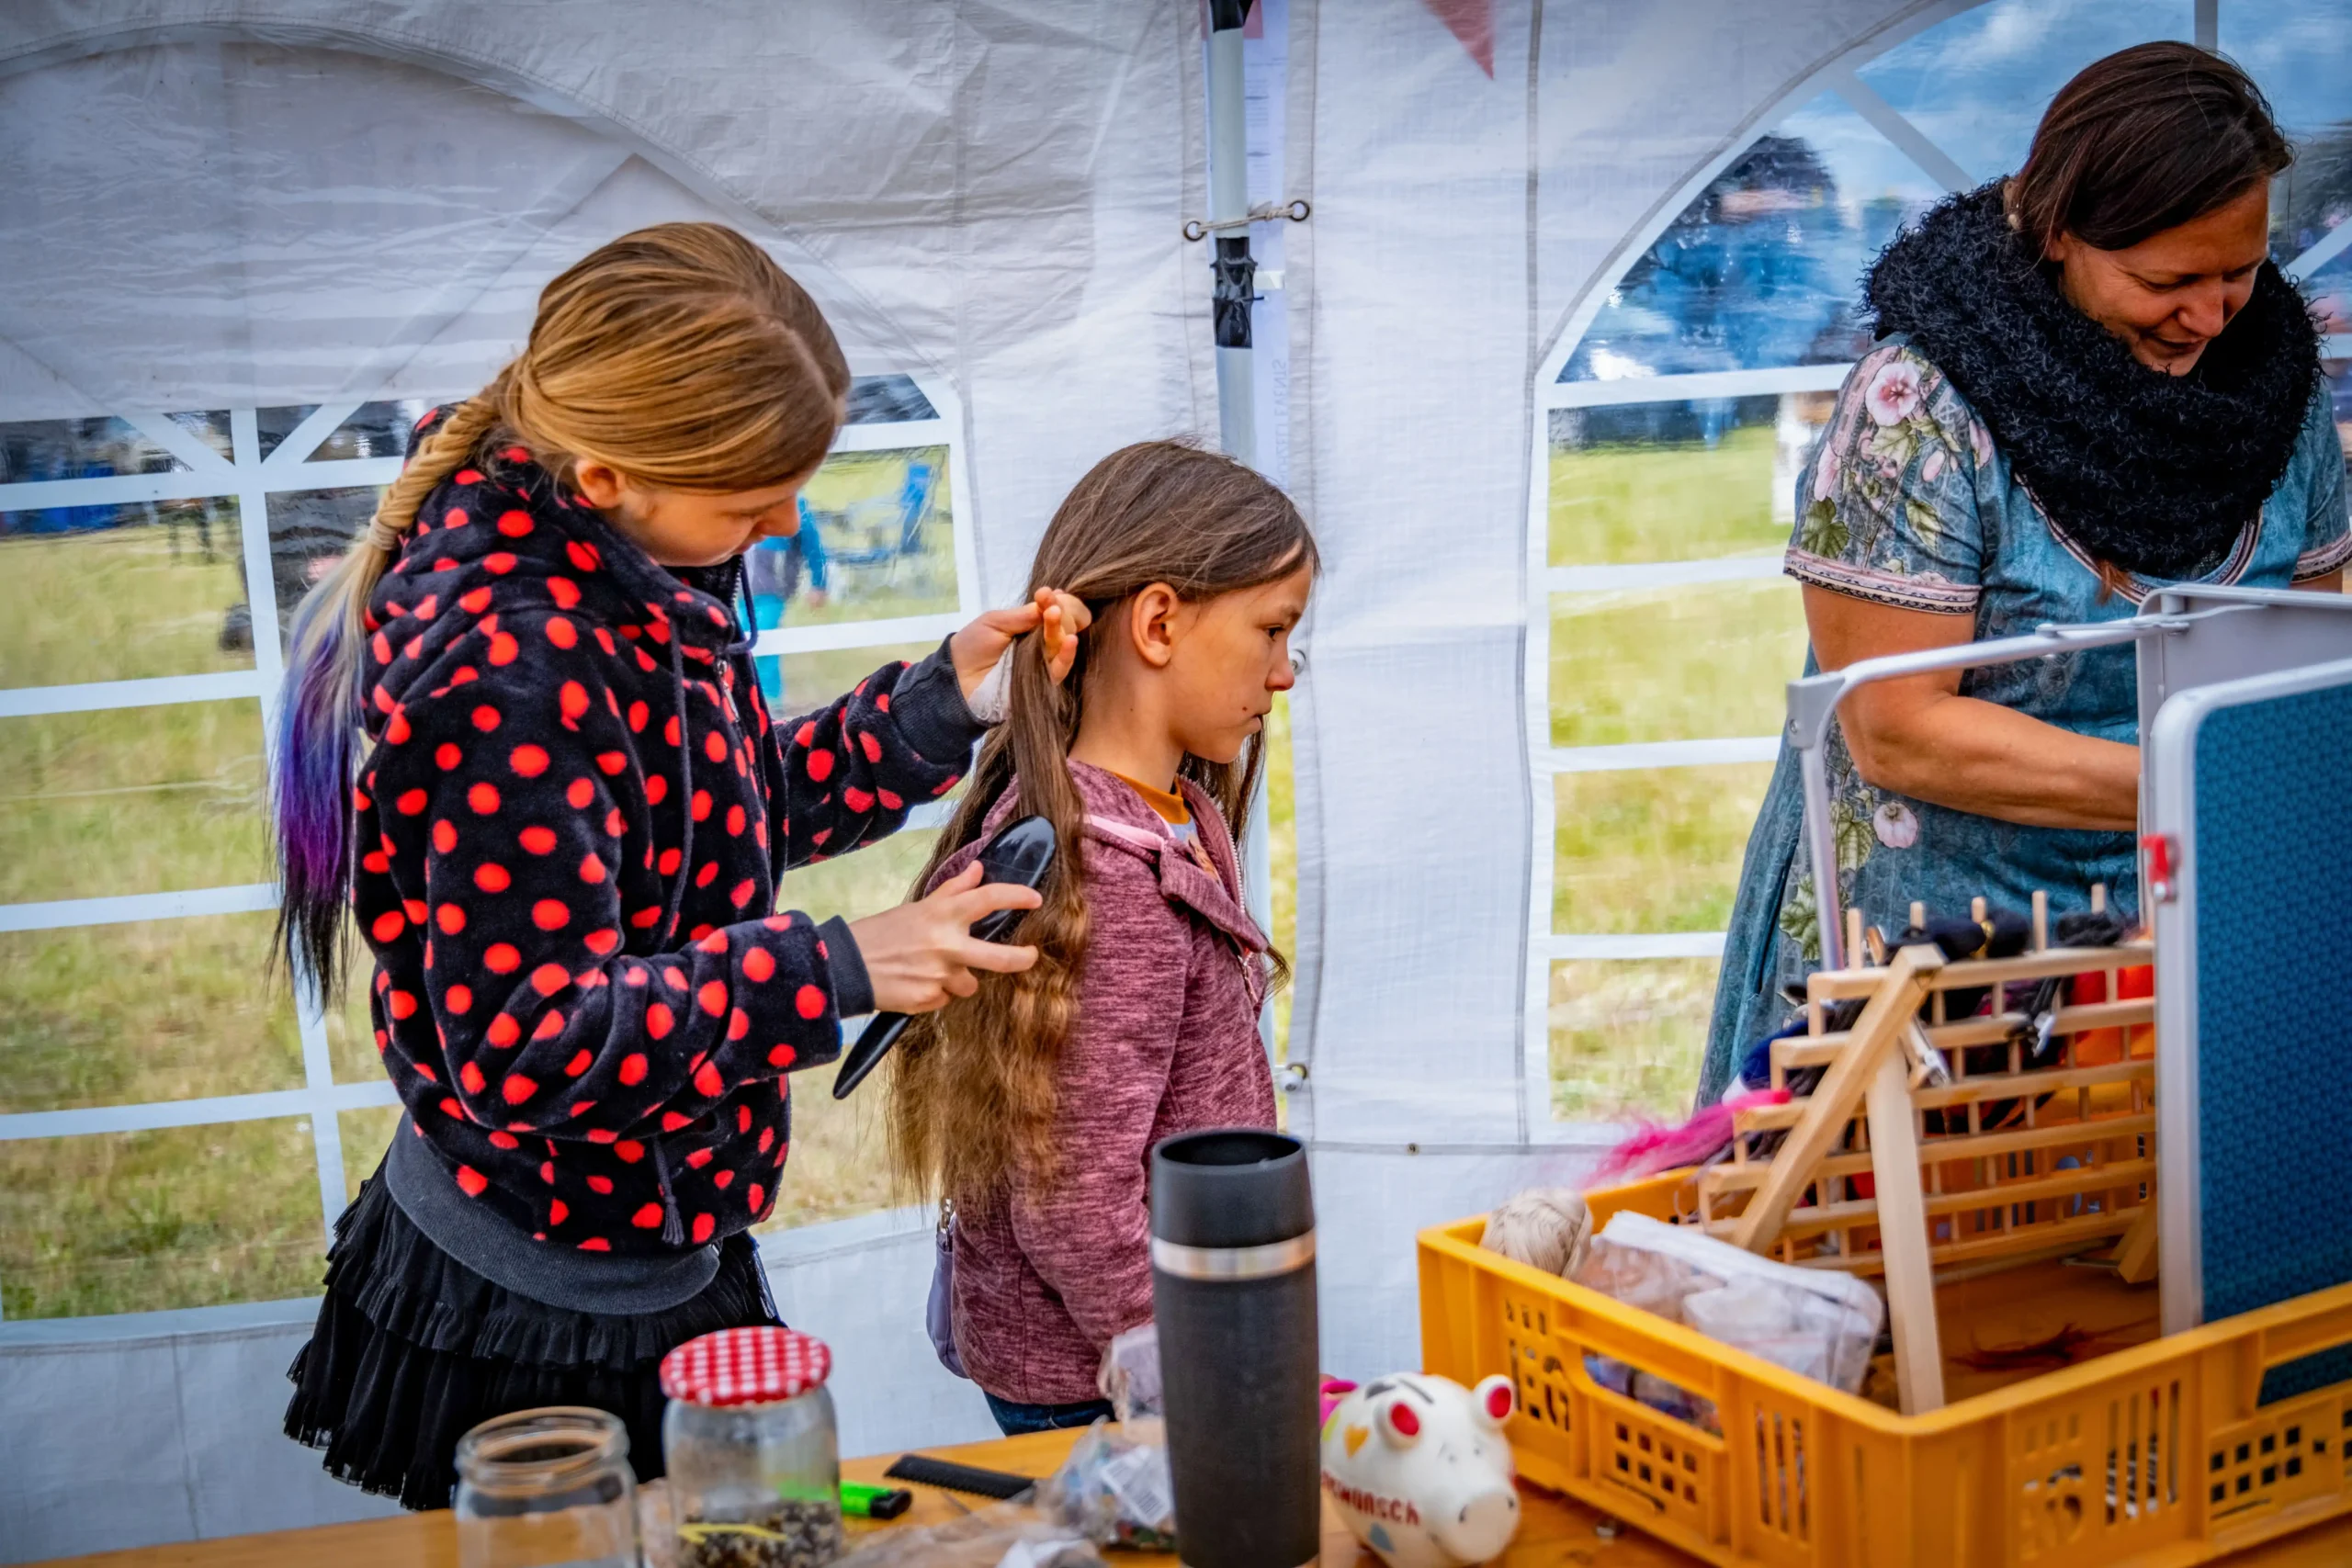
(686, 756)
(685, 793)
(674, 1229)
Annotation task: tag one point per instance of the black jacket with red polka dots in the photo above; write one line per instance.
(574, 817)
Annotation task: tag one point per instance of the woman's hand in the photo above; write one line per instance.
(920, 955)
(978, 647)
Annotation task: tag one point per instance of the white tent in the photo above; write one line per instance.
(234, 228)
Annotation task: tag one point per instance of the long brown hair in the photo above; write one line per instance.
(681, 355)
(2148, 138)
(976, 1084)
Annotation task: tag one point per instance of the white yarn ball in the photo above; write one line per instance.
(1545, 1227)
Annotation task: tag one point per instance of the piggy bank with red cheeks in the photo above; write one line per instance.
(1418, 1467)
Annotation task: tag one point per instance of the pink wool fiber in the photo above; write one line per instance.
(1656, 1147)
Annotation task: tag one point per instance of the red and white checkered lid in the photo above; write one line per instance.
(745, 1366)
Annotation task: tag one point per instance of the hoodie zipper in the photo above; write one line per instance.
(674, 1229)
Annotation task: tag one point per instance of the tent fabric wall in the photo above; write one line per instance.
(978, 189)
(1459, 222)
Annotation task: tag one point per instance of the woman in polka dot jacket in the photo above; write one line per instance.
(562, 845)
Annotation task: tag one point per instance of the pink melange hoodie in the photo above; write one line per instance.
(1165, 1041)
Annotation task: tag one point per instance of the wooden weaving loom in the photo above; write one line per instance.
(1906, 1161)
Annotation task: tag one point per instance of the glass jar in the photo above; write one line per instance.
(547, 1486)
(753, 1464)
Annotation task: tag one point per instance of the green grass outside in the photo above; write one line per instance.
(130, 800)
(149, 1011)
(1697, 662)
(365, 1136)
(123, 605)
(1657, 850)
(183, 1216)
(1651, 851)
(1671, 501)
(1626, 1036)
(351, 1037)
(813, 679)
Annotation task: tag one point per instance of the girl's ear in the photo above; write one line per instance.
(1151, 623)
(600, 484)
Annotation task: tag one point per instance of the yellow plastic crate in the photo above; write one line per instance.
(2158, 1453)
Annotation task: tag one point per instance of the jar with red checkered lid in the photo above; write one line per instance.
(754, 1467)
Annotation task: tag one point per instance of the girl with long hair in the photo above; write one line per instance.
(1033, 1104)
(522, 742)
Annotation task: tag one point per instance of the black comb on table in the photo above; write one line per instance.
(924, 1470)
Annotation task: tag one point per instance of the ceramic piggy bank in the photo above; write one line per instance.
(1418, 1468)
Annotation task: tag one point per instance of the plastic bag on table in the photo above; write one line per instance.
(1010, 1535)
(1115, 1488)
(1129, 1376)
(1817, 1323)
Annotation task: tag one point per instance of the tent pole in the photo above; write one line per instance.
(1235, 273)
(1236, 387)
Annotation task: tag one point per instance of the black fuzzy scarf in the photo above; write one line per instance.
(2156, 474)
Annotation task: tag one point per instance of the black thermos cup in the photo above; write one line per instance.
(1233, 1290)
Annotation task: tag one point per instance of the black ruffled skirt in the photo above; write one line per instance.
(412, 1349)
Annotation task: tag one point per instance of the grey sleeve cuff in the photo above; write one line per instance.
(928, 704)
(853, 989)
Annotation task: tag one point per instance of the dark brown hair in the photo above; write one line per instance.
(2148, 138)
(976, 1084)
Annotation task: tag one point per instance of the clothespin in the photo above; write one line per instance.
(1928, 1068)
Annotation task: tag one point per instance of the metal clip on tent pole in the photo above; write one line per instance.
(1298, 209)
(1814, 699)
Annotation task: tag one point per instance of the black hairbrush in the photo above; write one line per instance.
(1023, 854)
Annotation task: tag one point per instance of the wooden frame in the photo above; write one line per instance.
(1993, 1163)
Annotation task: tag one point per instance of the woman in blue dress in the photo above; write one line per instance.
(2089, 383)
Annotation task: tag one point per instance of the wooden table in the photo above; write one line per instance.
(1553, 1531)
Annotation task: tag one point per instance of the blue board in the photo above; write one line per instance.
(2252, 782)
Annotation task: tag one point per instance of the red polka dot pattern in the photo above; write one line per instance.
(556, 965)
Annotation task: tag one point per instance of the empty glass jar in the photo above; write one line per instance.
(753, 1464)
(544, 1487)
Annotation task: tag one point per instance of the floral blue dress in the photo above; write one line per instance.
(1908, 503)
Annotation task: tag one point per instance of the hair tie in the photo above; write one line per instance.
(992, 699)
(382, 536)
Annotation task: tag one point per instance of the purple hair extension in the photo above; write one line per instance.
(312, 779)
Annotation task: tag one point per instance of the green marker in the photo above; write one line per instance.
(861, 1502)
